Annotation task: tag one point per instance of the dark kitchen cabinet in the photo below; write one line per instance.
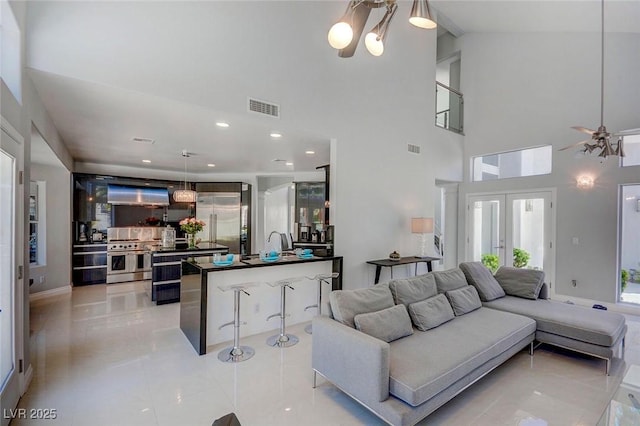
(89, 264)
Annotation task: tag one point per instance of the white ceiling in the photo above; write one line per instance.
(111, 71)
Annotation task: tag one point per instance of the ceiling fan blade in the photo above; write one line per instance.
(574, 145)
(628, 132)
(583, 130)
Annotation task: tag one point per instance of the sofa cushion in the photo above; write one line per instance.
(544, 291)
(520, 282)
(430, 313)
(388, 324)
(576, 322)
(450, 279)
(464, 300)
(414, 289)
(424, 364)
(346, 304)
(482, 279)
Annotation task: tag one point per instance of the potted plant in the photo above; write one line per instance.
(520, 258)
(491, 261)
(624, 277)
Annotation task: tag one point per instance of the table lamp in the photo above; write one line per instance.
(422, 226)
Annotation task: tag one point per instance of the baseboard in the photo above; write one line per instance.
(48, 293)
(26, 381)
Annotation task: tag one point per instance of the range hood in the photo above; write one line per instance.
(122, 195)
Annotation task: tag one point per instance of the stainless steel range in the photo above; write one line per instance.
(129, 253)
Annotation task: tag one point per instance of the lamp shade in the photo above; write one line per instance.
(184, 196)
(421, 225)
(421, 15)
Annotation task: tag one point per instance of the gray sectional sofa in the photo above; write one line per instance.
(404, 348)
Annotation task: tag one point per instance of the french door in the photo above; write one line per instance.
(11, 255)
(512, 229)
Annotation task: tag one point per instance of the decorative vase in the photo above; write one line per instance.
(191, 241)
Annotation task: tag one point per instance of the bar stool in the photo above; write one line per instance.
(321, 278)
(283, 340)
(236, 353)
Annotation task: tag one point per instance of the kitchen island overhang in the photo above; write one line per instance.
(204, 307)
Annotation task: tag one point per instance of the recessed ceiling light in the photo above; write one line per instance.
(146, 161)
(309, 152)
(222, 124)
(211, 165)
(275, 135)
(289, 163)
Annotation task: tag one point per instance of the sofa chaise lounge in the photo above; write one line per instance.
(404, 348)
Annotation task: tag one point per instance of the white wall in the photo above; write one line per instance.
(526, 89)
(57, 268)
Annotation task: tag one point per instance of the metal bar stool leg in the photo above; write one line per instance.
(320, 278)
(282, 340)
(236, 353)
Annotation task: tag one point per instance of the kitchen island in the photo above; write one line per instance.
(165, 263)
(204, 307)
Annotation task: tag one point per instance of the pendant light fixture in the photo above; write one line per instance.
(345, 33)
(184, 195)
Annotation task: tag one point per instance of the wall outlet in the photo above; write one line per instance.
(256, 308)
(574, 283)
(41, 279)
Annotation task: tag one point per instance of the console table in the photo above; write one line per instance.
(402, 261)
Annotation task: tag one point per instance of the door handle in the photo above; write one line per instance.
(499, 247)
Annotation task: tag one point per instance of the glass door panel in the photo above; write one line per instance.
(486, 230)
(529, 228)
(7, 208)
(629, 289)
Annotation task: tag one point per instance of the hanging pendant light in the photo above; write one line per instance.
(421, 15)
(341, 33)
(184, 195)
(374, 40)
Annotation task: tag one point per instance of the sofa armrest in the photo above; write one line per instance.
(355, 362)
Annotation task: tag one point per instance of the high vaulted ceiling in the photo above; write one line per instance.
(108, 72)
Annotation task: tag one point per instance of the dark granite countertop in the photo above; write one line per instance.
(182, 247)
(205, 263)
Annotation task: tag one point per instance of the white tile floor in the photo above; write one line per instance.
(107, 355)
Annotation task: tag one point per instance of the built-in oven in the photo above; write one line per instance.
(128, 265)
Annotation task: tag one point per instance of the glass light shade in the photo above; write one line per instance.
(184, 196)
(421, 225)
(584, 182)
(340, 35)
(421, 15)
(375, 46)
(421, 22)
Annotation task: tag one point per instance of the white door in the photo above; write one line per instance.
(11, 255)
(517, 227)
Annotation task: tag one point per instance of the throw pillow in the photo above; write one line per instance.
(520, 282)
(544, 292)
(450, 279)
(346, 304)
(482, 279)
(414, 289)
(464, 300)
(388, 324)
(431, 313)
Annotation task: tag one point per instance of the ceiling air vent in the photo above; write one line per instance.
(415, 149)
(144, 140)
(262, 107)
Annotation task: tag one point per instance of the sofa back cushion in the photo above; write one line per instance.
(430, 313)
(414, 289)
(388, 324)
(482, 279)
(520, 282)
(450, 279)
(464, 300)
(346, 304)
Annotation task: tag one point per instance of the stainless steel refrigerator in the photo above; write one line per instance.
(221, 211)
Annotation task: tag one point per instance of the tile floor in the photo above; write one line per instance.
(108, 356)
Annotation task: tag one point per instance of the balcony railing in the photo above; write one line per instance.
(449, 108)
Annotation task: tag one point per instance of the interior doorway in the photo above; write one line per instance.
(511, 229)
(629, 278)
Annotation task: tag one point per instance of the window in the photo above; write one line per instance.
(37, 223)
(10, 50)
(523, 162)
(631, 146)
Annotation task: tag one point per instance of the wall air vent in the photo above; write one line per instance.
(144, 140)
(262, 107)
(414, 149)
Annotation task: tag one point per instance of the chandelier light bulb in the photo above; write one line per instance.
(374, 44)
(340, 35)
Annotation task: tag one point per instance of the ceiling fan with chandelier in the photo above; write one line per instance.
(601, 138)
